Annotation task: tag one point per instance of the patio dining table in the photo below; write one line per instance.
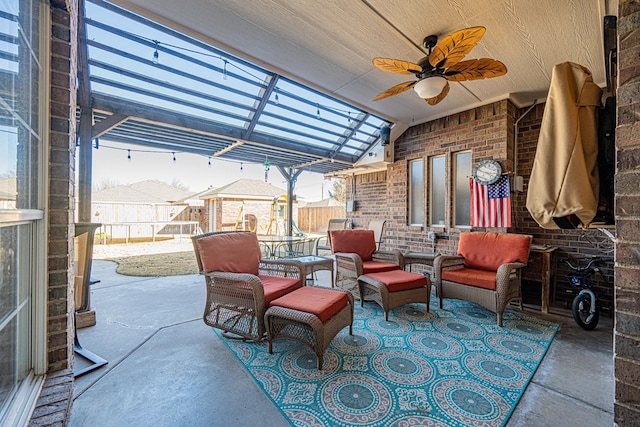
(271, 243)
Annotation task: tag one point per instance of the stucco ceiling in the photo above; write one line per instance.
(329, 45)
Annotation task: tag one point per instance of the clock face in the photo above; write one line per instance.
(487, 172)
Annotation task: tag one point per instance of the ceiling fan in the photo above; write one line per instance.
(441, 65)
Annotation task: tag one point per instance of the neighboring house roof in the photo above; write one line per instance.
(245, 189)
(150, 191)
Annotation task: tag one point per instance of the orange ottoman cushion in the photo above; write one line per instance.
(323, 303)
(399, 280)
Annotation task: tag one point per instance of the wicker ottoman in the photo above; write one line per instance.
(391, 289)
(310, 315)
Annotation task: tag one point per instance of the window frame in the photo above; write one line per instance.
(444, 200)
(455, 177)
(412, 222)
(18, 408)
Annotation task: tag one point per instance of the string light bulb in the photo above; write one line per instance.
(277, 99)
(174, 156)
(224, 70)
(241, 167)
(209, 161)
(317, 111)
(156, 55)
(129, 155)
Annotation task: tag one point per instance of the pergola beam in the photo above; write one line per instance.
(107, 124)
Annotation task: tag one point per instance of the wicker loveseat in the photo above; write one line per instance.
(240, 285)
(356, 254)
(487, 270)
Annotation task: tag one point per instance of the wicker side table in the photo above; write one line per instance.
(424, 258)
(314, 263)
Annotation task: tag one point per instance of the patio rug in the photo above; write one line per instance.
(453, 367)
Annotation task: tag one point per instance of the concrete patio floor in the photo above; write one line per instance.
(167, 368)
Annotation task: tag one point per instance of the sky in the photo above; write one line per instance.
(110, 164)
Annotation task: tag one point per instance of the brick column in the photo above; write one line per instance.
(54, 404)
(627, 271)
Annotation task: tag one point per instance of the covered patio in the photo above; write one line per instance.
(289, 85)
(167, 368)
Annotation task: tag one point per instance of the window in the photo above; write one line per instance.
(22, 108)
(462, 196)
(416, 192)
(437, 191)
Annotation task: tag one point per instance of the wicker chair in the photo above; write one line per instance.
(240, 284)
(356, 254)
(487, 270)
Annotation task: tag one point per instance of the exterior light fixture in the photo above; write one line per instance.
(156, 55)
(430, 87)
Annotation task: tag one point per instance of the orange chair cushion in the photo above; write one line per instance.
(230, 253)
(488, 251)
(378, 267)
(275, 287)
(323, 303)
(472, 277)
(399, 280)
(359, 242)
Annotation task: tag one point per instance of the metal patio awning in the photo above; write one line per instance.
(151, 86)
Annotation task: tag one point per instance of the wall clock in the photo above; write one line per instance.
(487, 172)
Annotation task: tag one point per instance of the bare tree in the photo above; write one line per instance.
(105, 184)
(338, 190)
(179, 185)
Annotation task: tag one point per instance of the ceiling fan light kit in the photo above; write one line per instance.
(442, 64)
(429, 87)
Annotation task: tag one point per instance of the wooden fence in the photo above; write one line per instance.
(316, 220)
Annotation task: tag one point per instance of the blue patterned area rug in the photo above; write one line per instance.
(452, 367)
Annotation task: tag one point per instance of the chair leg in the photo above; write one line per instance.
(320, 357)
(499, 319)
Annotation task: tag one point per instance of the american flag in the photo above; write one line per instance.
(491, 204)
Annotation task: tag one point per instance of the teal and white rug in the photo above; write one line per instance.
(452, 367)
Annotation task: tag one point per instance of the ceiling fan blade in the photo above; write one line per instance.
(440, 97)
(451, 49)
(475, 69)
(397, 89)
(396, 66)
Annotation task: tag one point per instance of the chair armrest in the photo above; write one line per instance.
(506, 271)
(392, 257)
(242, 282)
(349, 263)
(445, 262)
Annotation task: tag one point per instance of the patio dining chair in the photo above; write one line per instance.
(324, 242)
(240, 284)
(377, 225)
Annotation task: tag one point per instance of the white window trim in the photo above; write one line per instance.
(454, 178)
(409, 190)
(430, 206)
(40, 234)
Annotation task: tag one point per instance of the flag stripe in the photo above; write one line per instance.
(490, 204)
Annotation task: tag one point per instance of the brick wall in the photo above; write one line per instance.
(489, 132)
(54, 403)
(627, 190)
